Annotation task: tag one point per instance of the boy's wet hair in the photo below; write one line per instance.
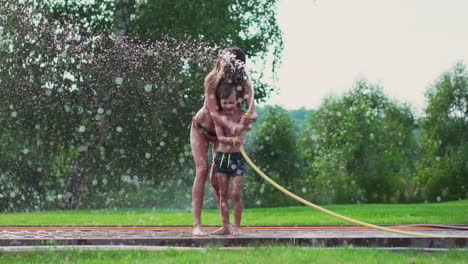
(224, 90)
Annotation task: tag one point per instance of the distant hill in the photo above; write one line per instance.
(300, 116)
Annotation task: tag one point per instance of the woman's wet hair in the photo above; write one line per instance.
(229, 69)
(232, 62)
(238, 53)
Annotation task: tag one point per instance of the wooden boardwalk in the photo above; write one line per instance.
(180, 236)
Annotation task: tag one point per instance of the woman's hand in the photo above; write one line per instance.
(244, 124)
(248, 119)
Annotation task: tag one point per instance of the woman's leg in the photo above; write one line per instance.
(236, 195)
(199, 145)
(213, 177)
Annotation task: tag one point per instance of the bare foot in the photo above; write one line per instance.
(236, 231)
(198, 231)
(222, 231)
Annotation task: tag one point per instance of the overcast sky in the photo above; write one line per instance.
(403, 45)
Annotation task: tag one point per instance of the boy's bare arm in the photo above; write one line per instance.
(223, 139)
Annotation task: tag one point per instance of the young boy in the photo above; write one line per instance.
(229, 162)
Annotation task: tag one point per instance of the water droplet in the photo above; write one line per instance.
(82, 129)
(14, 114)
(83, 148)
(118, 80)
(25, 151)
(100, 111)
(119, 129)
(148, 88)
(148, 155)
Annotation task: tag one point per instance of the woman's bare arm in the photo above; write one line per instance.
(252, 117)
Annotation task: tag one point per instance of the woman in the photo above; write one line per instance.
(229, 67)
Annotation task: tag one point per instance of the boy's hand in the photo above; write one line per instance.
(239, 128)
(236, 140)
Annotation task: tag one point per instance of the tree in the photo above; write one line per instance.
(274, 150)
(359, 148)
(443, 167)
(81, 106)
(108, 108)
(250, 25)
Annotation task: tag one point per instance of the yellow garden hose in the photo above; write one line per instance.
(351, 220)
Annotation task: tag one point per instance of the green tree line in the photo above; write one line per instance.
(363, 147)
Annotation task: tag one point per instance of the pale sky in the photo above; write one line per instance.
(402, 45)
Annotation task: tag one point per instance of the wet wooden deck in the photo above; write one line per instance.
(181, 236)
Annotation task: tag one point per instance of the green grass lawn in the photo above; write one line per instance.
(268, 255)
(431, 213)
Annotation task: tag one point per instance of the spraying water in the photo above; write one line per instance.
(92, 121)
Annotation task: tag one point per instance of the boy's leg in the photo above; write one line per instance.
(199, 146)
(237, 183)
(223, 183)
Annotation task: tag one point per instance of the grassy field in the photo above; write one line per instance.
(257, 255)
(431, 213)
